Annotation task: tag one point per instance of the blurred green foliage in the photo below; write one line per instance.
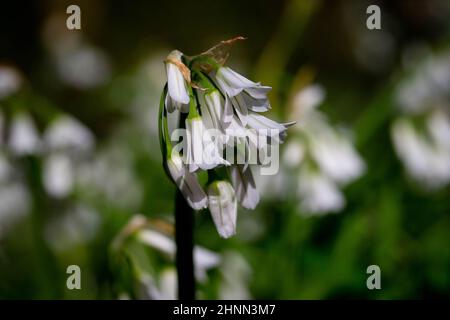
(388, 220)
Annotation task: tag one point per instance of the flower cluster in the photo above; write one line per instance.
(222, 132)
(421, 135)
(318, 158)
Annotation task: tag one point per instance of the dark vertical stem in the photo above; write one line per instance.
(184, 238)
(184, 226)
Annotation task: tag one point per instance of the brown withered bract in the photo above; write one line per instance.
(219, 54)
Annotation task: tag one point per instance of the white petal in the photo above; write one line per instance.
(187, 183)
(223, 207)
(234, 79)
(257, 105)
(177, 85)
(241, 109)
(208, 111)
(259, 92)
(268, 127)
(215, 102)
(225, 87)
(170, 106)
(244, 186)
(194, 193)
(228, 111)
(195, 129)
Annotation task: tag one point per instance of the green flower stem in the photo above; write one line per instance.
(193, 111)
(163, 129)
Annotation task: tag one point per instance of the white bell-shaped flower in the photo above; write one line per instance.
(187, 182)
(244, 186)
(245, 95)
(223, 207)
(178, 95)
(24, 138)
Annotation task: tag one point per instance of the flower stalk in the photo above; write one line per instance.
(216, 106)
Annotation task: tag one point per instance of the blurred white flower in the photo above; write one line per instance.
(428, 85)
(307, 100)
(421, 134)
(337, 157)
(58, 176)
(162, 288)
(67, 142)
(67, 133)
(438, 125)
(278, 186)
(110, 176)
(83, 67)
(425, 159)
(293, 154)
(10, 81)
(318, 193)
(23, 137)
(204, 259)
(168, 284)
(77, 62)
(158, 241)
(236, 273)
(76, 226)
(319, 156)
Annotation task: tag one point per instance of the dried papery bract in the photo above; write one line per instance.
(217, 55)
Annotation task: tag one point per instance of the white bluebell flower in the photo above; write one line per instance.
(177, 94)
(223, 207)
(244, 94)
(187, 182)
